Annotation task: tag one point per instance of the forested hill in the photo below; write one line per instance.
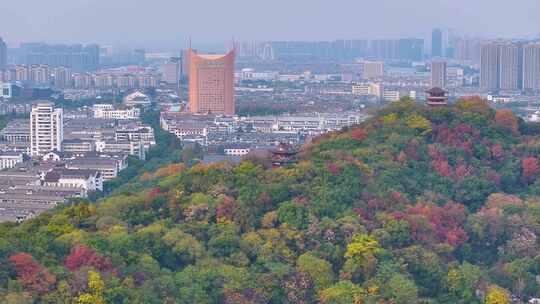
(416, 205)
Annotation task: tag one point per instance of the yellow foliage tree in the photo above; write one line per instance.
(95, 288)
(360, 255)
(390, 118)
(497, 295)
(418, 122)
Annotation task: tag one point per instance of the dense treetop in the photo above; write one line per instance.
(416, 205)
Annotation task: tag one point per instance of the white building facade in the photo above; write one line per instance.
(46, 129)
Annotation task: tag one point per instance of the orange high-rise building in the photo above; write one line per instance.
(211, 83)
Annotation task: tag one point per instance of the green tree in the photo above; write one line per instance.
(343, 292)
(401, 290)
(184, 248)
(293, 214)
(463, 280)
(319, 270)
(399, 232)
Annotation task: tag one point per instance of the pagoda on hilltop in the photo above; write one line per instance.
(437, 97)
(283, 155)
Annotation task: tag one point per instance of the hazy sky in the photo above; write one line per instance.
(167, 23)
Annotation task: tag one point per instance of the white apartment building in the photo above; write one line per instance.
(373, 69)
(314, 123)
(438, 74)
(89, 180)
(46, 128)
(5, 90)
(135, 148)
(367, 89)
(251, 74)
(107, 111)
(391, 95)
(145, 134)
(534, 117)
(360, 89)
(108, 167)
(531, 66)
(236, 149)
(9, 159)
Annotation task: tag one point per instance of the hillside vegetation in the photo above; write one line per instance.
(416, 205)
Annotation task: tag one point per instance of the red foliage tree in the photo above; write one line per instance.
(333, 168)
(398, 197)
(462, 171)
(461, 136)
(497, 152)
(402, 157)
(492, 175)
(359, 134)
(411, 151)
(31, 275)
(531, 168)
(442, 167)
(226, 209)
(82, 255)
(505, 118)
(431, 223)
(153, 192)
(439, 161)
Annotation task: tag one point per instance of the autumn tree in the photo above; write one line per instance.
(359, 134)
(31, 275)
(506, 119)
(419, 123)
(82, 255)
(94, 294)
(497, 295)
(361, 253)
(531, 168)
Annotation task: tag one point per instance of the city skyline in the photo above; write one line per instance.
(70, 21)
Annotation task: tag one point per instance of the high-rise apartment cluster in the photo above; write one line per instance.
(77, 57)
(468, 50)
(64, 78)
(506, 65)
(407, 49)
(254, 50)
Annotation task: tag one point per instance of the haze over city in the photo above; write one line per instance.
(168, 23)
(278, 151)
